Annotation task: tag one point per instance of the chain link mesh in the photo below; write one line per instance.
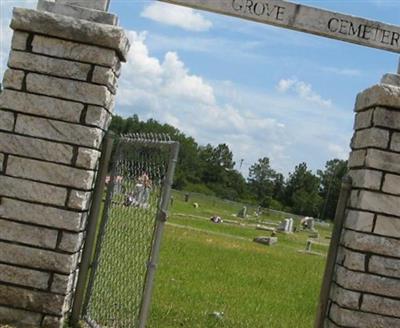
(139, 169)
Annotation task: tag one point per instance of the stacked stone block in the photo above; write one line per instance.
(55, 108)
(366, 288)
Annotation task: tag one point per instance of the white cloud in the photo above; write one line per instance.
(5, 41)
(342, 71)
(204, 43)
(338, 151)
(303, 90)
(5, 31)
(254, 123)
(167, 91)
(285, 84)
(172, 93)
(160, 81)
(5, 36)
(182, 17)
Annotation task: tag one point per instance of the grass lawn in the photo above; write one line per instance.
(206, 268)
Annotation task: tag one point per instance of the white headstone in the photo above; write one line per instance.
(290, 229)
(284, 226)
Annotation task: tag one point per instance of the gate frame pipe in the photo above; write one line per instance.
(100, 235)
(333, 251)
(155, 250)
(91, 229)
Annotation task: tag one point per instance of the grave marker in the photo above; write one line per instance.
(269, 241)
(242, 213)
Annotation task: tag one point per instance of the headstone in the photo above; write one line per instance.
(311, 224)
(308, 223)
(291, 222)
(308, 246)
(242, 213)
(284, 225)
(266, 240)
(265, 228)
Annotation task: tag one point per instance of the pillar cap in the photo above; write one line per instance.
(391, 79)
(383, 95)
(69, 28)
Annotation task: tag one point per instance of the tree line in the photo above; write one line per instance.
(211, 170)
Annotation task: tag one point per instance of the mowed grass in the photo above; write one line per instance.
(206, 268)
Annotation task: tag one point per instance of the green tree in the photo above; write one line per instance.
(331, 179)
(262, 180)
(279, 187)
(187, 170)
(211, 170)
(302, 191)
(218, 173)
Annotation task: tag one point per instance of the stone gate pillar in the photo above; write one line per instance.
(55, 108)
(366, 288)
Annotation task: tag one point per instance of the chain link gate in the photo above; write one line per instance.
(129, 236)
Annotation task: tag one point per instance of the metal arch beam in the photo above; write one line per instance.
(306, 19)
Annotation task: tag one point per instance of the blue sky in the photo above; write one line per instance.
(263, 90)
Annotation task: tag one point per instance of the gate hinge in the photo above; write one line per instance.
(163, 216)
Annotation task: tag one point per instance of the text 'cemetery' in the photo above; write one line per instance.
(306, 19)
